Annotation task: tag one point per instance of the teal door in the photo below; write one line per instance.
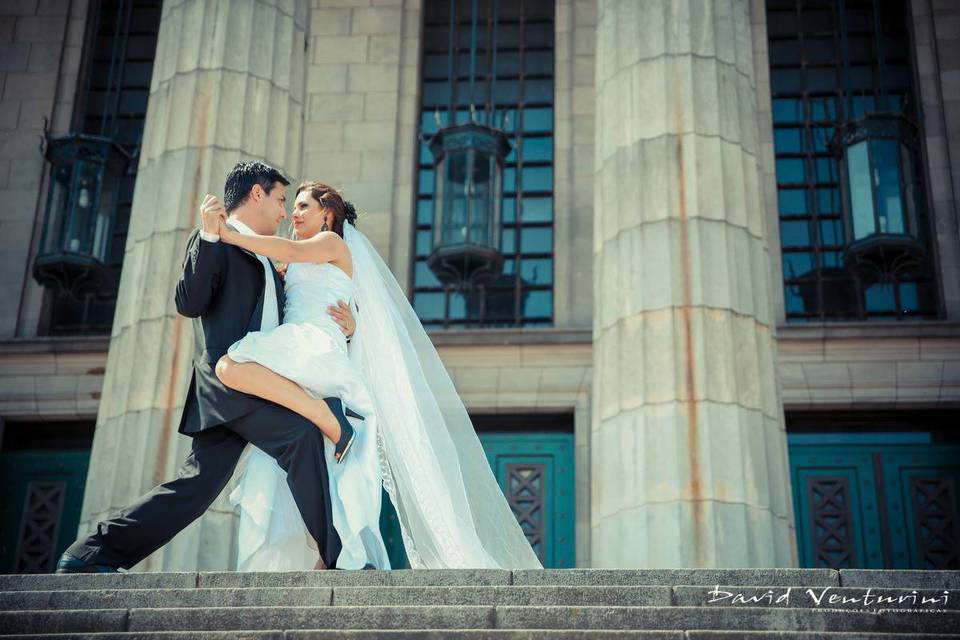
(40, 502)
(535, 472)
(875, 505)
(920, 486)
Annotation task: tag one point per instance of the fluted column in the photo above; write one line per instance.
(689, 454)
(227, 86)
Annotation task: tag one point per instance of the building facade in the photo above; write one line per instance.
(726, 328)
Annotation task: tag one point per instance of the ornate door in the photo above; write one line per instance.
(40, 502)
(877, 505)
(920, 485)
(535, 472)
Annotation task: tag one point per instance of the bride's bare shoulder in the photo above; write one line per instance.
(330, 236)
(324, 247)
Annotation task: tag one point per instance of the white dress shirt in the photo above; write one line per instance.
(271, 315)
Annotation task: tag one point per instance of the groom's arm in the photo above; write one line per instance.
(203, 272)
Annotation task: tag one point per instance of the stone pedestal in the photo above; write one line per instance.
(689, 453)
(227, 86)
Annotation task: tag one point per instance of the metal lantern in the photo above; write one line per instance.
(468, 161)
(878, 159)
(85, 173)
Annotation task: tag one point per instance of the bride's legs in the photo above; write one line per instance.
(257, 380)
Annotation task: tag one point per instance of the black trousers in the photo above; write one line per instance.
(156, 517)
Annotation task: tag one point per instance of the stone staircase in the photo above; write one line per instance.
(487, 605)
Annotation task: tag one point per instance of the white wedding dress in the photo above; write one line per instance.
(416, 442)
(310, 349)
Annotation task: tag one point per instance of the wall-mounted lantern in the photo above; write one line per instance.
(85, 172)
(468, 162)
(878, 160)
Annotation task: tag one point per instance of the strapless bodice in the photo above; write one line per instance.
(310, 289)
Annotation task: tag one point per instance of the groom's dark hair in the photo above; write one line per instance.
(243, 177)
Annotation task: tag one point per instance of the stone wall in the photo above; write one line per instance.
(765, 152)
(40, 50)
(936, 40)
(574, 132)
(51, 378)
(361, 124)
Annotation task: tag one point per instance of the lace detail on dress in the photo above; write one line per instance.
(449, 538)
(416, 562)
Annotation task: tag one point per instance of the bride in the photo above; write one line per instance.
(392, 417)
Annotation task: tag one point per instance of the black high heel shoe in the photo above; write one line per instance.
(347, 433)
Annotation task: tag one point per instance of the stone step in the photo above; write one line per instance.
(341, 596)
(671, 577)
(489, 634)
(51, 582)
(813, 635)
(675, 618)
(910, 578)
(853, 598)
(165, 598)
(587, 603)
(444, 577)
(441, 577)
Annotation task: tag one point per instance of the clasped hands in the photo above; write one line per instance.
(213, 218)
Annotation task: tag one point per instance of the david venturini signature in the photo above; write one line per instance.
(823, 596)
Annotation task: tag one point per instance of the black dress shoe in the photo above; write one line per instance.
(72, 564)
(366, 566)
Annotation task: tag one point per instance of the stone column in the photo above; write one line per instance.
(689, 451)
(227, 85)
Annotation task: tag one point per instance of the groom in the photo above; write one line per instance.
(231, 292)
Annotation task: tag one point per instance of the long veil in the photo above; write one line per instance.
(451, 510)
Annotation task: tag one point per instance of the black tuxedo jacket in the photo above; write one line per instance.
(222, 288)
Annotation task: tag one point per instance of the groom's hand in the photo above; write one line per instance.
(211, 212)
(342, 316)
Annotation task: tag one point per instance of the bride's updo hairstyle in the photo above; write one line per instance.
(330, 198)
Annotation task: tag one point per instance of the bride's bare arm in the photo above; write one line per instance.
(326, 246)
